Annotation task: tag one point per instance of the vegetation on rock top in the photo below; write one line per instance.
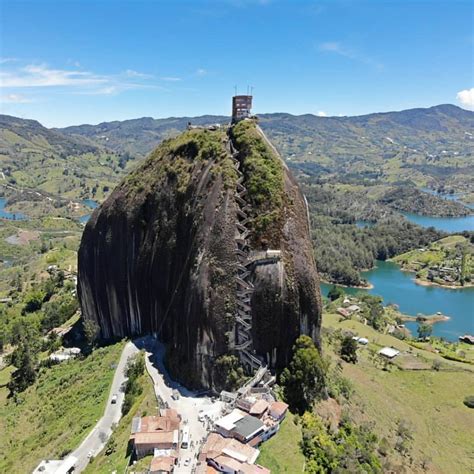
(263, 172)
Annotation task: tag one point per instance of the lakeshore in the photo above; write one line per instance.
(421, 282)
(368, 286)
(396, 286)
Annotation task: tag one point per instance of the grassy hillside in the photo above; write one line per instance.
(34, 157)
(282, 452)
(428, 402)
(52, 416)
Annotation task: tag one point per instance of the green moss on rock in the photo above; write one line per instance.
(175, 159)
(264, 180)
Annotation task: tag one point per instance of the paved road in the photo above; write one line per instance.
(97, 438)
(188, 405)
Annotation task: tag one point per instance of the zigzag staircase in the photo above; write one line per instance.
(244, 287)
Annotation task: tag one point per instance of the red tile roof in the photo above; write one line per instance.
(162, 463)
(278, 408)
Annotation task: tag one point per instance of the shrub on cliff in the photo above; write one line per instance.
(229, 374)
(303, 380)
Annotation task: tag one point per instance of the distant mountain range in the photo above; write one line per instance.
(137, 137)
(424, 147)
(426, 128)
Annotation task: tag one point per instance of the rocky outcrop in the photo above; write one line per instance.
(158, 256)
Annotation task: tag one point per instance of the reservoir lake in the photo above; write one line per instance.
(396, 286)
(399, 287)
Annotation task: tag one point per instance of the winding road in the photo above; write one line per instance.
(189, 406)
(99, 435)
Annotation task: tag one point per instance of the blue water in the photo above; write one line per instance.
(89, 203)
(9, 215)
(447, 224)
(448, 197)
(362, 224)
(398, 287)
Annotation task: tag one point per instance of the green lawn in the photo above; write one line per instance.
(281, 453)
(52, 417)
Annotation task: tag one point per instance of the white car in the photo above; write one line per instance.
(90, 454)
(187, 462)
(114, 398)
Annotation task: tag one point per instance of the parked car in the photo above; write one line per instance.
(187, 462)
(114, 398)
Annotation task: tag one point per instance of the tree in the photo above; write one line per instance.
(25, 375)
(304, 380)
(33, 302)
(111, 445)
(424, 331)
(348, 350)
(44, 247)
(134, 370)
(335, 292)
(91, 331)
(374, 311)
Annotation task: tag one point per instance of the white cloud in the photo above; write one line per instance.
(466, 97)
(332, 46)
(74, 63)
(337, 47)
(171, 79)
(7, 60)
(321, 113)
(42, 76)
(132, 73)
(82, 82)
(14, 99)
(201, 72)
(108, 90)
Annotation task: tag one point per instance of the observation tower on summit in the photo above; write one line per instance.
(241, 107)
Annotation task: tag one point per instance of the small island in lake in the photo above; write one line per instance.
(447, 262)
(425, 319)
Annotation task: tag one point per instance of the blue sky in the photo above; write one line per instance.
(69, 62)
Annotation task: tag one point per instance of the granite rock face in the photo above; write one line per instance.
(158, 257)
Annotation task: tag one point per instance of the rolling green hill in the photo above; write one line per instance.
(52, 163)
(425, 147)
(137, 137)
